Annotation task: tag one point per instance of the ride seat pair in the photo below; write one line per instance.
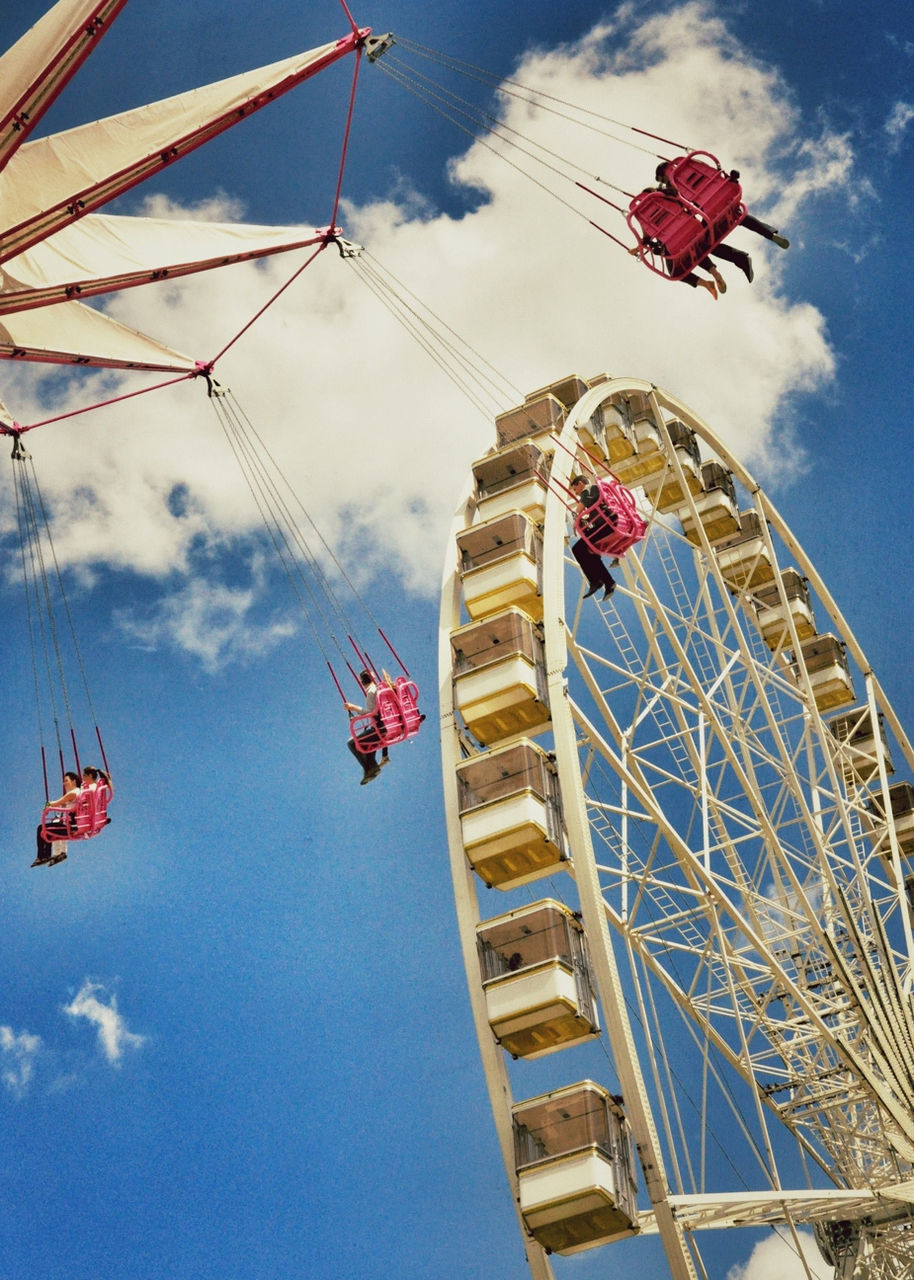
(83, 820)
(395, 718)
(611, 525)
(676, 231)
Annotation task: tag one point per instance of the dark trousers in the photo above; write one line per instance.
(57, 831)
(592, 566)
(368, 760)
(738, 257)
(760, 228)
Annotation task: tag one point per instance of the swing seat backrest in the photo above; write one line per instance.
(90, 813)
(390, 718)
(102, 796)
(408, 696)
(672, 239)
(611, 525)
(712, 193)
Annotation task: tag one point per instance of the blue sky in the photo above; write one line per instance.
(234, 1033)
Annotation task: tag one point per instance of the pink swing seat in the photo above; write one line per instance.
(611, 525)
(675, 232)
(708, 190)
(85, 819)
(395, 718)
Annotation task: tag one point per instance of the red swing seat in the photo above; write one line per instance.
(671, 240)
(408, 695)
(395, 718)
(611, 525)
(675, 232)
(709, 191)
(85, 819)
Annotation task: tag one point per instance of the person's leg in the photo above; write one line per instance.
(57, 831)
(593, 568)
(738, 257)
(708, 264)
(366, 759)
(763, 229)
(693, 281)
(43, 852)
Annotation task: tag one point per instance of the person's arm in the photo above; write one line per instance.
(66, 801)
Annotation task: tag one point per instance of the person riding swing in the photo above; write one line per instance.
(369, 732)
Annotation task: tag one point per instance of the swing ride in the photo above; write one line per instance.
(728, 947)
(56, 250)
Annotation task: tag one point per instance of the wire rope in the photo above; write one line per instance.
(481, 140)
(447, 357)
(492, 124)
(484, 370)
(44, 595)
(498, 83)
(328, 617)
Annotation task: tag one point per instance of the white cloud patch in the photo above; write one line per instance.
(782, 1257)
(374, 438)
(896, 126)
(17, 1060)
(212, 621)
(114, 1039)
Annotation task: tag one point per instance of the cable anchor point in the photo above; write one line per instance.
(213, 388)
(377, 46)
(347, 248)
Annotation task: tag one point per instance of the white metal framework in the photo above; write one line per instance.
(729, 796)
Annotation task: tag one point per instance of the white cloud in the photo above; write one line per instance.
(17, 1059)
(113, 1036)
(896, 125)
(375, 439)
(213, 621)
(778, 1258)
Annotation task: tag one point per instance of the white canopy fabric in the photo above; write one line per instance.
(55, 180)
(72, 333)
(37, 67)
(103, 252)
(53, 248)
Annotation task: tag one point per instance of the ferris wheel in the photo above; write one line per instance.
(680, 824)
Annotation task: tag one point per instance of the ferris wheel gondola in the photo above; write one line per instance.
(701, 767)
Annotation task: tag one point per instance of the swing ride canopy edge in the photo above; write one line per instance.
(54, 247)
